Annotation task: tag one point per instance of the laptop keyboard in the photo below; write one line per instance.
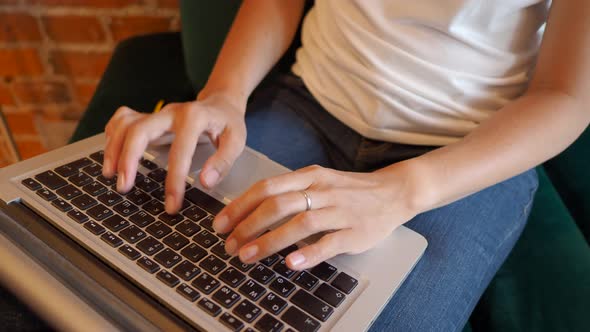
(185, 254)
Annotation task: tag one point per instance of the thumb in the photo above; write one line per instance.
(230, 146)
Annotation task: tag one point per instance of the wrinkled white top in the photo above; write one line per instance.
(422, 72)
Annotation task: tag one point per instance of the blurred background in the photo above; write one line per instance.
(52, 55)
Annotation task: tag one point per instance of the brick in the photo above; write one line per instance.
(79, 64)
(21, 123)
(88, 3)
(84, 92)
(168, 3)
(29, 148)
(124, 27)
(74, 29)
(40, 92)
(18, 27)
(5, 95)
(20, 61)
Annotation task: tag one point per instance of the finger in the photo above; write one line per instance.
(179, 162)
(298, 228)
(115, 132)
(325, 248)
(231, 144)
(139, 134)
(241, 207)
(271, 211)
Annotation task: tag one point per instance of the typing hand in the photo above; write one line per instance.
(355, 210)
(129, 132)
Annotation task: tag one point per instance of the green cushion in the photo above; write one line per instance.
(544, 285)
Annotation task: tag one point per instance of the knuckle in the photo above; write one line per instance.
(307, 221)
(264, 187)
(272, 205)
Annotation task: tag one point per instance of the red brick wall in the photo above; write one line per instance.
(53, 52)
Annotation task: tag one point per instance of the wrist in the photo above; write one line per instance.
(231, 95)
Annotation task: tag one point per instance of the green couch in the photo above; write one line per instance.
(544, 285)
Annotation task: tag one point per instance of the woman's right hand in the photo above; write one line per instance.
(128, 134)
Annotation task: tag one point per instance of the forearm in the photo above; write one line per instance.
(520, 136)
(260, 34)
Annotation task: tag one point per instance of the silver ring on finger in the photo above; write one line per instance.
(307, 197)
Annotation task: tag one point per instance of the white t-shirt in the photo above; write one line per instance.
(424, 72)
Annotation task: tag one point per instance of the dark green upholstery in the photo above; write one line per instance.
(544, 285)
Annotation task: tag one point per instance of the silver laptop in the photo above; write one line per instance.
(87, 258)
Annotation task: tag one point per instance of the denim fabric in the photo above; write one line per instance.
(468, 239)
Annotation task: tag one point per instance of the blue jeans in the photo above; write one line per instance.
(468, 239)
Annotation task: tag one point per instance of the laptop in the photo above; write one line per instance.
(87, 258)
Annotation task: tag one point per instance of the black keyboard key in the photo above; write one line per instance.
(306, 280)
(207, 222)
(61, 205)
(219, 250)
(94, 227)
(210, 307)
(80, 179)
(282, 269)
(261, 274)
(159, 194)
(148, 164)
(330, 294)
(138, 197)
(167, 278)
(171, 219)
(247, 311)
(212, 264)
(82, 162)
(98, 156)
(252, 290)
(110, 198)
(154, 207)
(132, 234)
(168, 258)
(158, 175)
(93, 170)
(66, 170)
(268, 324)
(270, 260)
(324, 271)
(188, 292)
(273, 303)
(205, 239)
(148, 265)
(232, 277)
(99, 212)
(84, 202)
(312, 305)
(78, 216)
(236, 262)
(300, 320)
(115, 223)
(205, 283)
(204, 201)
(142, 219)
(125, 208)
(288, 250)
(194, 213)
(146, 184)
(186, 270)
(193, 252)
(107, 181)
(51, 180)
(150, 246)
(176, 241)
(31, 184)
(344, 282)
(138, 177)
(282, 286)
(158, 229)
(231, 322)
(188, 228)
(94, 188)
(113, 240)
(129, 252)
(68, 192)
(46, 194)
(226, 297)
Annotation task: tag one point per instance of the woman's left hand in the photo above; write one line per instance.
(355, 210)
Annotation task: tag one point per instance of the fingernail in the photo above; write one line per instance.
(248, 252)
(296, 259)
(211, 177)
(231, 246)
(121, 181)
(170, 206)
(220, 223)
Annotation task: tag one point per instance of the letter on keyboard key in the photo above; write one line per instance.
(205, 283)
(148, 265)
(261, 274)
(193, 252)
(110, 238)
(186, 270)
(167, 257)
(300, 320)
(188, 292)
(115, 223)
(210, 307)
(94, 227)
(46, 194)
(268, 324)
(252, 290)
(226, 297)
(51, 180)
(129, 252)
(330, 294)
(230, 321)
(78, 216)
(312, 305)
(344, 282)
(212, 264)
(61, 205)
(306, 280)
(232, 277)
(99, 212)
(132, 234)
(247, 311)
(150, 246)
(31, 184)
(273, 303)
(167, 278)
(84, 202)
